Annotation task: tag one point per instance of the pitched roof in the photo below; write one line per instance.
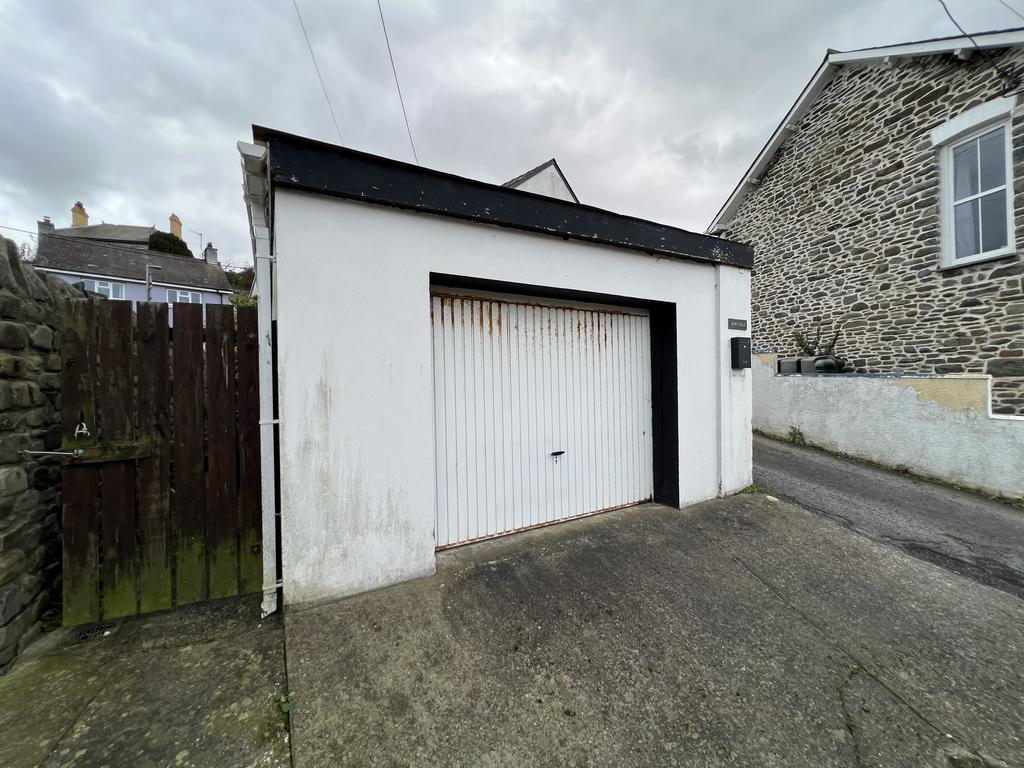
(129, 263)
(119, 233)
(1002, 38)
(552, 163)
(296, 162)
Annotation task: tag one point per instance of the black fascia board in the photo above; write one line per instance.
(303, 164)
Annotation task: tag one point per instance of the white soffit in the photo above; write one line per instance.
(833, 60)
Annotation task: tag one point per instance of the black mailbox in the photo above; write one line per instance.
(740, 351)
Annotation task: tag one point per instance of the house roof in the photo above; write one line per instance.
(93, 257)
(116, 233)
(552, 163)
(1003, 38)
(312, 166)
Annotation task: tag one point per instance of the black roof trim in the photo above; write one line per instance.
(299, 163)
(534, 171)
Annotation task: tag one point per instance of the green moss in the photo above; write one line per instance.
(191, 571)
(754, 488)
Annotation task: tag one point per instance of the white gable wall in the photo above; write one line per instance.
(355, 377)
(548, 182)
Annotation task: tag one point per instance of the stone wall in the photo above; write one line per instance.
(30, 522)
(845, 226)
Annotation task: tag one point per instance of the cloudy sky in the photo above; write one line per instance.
(653, 108)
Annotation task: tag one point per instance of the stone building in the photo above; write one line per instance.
(889, 205)
(30, 506)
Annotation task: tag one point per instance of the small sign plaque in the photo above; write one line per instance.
(737, 325)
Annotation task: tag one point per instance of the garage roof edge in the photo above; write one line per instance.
(307, 165)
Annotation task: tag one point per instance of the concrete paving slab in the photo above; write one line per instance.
(194, 687)
(638, 637)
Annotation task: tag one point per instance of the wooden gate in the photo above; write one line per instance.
(162, 503)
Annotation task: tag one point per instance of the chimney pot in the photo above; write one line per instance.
(175, 225)
(44, 226)
(79, 218)
(210, 254)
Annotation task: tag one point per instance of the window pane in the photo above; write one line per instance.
(103, 288)
(117, 290)
(89, 285)
(992, 148)
(993, 221)
(966, 224)
(965, 170)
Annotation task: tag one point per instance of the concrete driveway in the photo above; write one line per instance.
(740, 632)
(196, 687)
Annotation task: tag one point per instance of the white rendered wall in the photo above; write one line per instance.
(736, 387)
(355, 374)
(935, 426)
(548, 182)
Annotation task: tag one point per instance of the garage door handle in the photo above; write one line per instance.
(556, 454)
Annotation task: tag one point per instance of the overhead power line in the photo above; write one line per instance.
(1011, 78)
(319, 76)
(1011, 9)
(397, 86)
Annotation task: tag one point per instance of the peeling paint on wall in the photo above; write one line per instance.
(954, 393)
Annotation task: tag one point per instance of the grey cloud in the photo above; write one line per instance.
(652, 108)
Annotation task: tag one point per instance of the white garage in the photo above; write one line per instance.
(457, 360)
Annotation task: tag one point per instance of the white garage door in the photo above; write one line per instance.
(541, 413)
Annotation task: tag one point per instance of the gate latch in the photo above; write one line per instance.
(77, 453)
(556, 454)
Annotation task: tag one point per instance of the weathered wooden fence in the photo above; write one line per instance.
(162, 507)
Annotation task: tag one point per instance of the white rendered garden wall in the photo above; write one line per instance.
(936, 426)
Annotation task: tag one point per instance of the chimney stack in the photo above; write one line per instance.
(45, 226)
(175, 225)
(210, 254)
(79, 218)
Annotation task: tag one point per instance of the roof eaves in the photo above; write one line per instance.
(565, 181)
(807, 96)
(307, 165)
(997, 38)
(826, 71)
(529, 174)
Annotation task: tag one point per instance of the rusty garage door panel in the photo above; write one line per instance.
(542, 413)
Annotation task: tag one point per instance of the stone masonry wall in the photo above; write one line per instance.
(30, 522)
(845, 227)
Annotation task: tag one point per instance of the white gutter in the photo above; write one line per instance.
(1003, 39)
(256, 197)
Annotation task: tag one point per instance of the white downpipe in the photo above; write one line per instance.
(256, 192)
(267, 443)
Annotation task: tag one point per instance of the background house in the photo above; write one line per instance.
(111, 260)
(546, 179)
(890, 203)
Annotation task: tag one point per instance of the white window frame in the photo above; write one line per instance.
(110, 286)
(947, 137)
(177, 294)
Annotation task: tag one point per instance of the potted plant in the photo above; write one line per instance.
(816, 355)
